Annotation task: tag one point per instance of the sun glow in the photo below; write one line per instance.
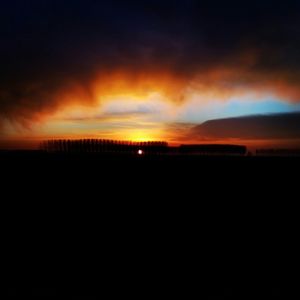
(144, 135)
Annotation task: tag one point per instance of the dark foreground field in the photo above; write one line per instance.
(46, 162)
(88, 225)
(143, 175)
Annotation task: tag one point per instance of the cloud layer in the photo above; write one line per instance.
(55, 53)
(264, 127)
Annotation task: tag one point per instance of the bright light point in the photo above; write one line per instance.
(140, 152)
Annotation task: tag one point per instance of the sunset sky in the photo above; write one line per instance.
(150, 70)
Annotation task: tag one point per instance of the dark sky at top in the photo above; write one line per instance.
(47, 43)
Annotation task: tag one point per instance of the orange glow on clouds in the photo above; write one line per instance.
(129, 106)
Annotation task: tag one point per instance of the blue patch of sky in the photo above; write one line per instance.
(236, 107)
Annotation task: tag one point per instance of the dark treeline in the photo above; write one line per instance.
(144, 148)
(103, 146)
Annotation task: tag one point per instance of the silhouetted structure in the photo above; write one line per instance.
(278, 152)
(104, 146)
(216, 149)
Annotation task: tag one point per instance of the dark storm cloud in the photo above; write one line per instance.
(277, 126)
(49, 46)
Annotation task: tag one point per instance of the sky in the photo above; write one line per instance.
(148, 70)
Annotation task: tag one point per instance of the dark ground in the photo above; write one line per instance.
(217, 227)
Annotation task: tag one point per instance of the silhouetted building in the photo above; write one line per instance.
(278, 152)
(215, 149)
